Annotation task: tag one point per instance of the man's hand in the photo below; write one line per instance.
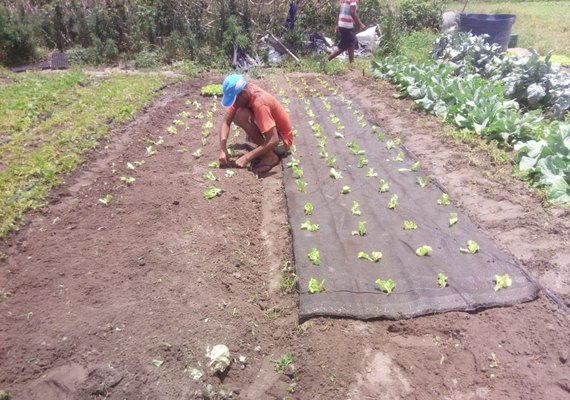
(224, 157)
(242, 161)
(362, 26)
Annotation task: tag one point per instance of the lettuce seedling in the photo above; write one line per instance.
(361, 229)
(106, 200)
(130, 166)
(315, 256)
(393, 203)
(410, 225)
(330, 161)
(443, 200)
(309, 226)
(203, 141)
(308, 209)
(386, 286)
(197, 154)
(472, 247)
(345, 190)
(293, 163)
(208, 125)
(297, 172)
(214, 164)
(322, 142)
(230, 173)
(301, 185)
(362, 162)
(363, 256)
(127, 179)
(231, 152)
(315, 286)
(400, 157)
(212, 192)
(424, 250)
(390, 144)
(371, 173)
(356, 208)
(441, 280)
(453, 218)
(334, 119)
(150, 151)
(208, 175)
(415, 166)
(384, 186)
(380, 137)
(502, 281)
(178, 122)
(422, 181)
(172, 130)
(375, 256)
(323, 153)
(363, 124)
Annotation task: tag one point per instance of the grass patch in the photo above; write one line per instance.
(49, 121)
(283, 362)
(542, 25)
(416, 46)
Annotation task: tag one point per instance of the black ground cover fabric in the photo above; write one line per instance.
(350, 289)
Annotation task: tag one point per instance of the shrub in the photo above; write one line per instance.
(421, 14)
(147, 60)
(17, 43)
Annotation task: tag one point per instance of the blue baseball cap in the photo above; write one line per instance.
(232, 86)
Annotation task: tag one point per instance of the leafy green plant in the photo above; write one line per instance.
(335, 174)
(308, 226)
(214, 164)
(381, 136)
(362, 162)
(315, 256)
(375, 256)
(297, 172)
(361, 229)
(330, 161)
(502, 282)
(283, 362)
(150, 151)
(129, 180)
(453, 218)
(424, 250)
(212, 192)
(414, 167)
(371, 173)
(106, 200)
(410, 225)
(293, 163)
(230, 173)
(422, 181)
(393, 203)
(315, 286)
(308, 208)
(400, 157)
(441, 280)
(386, 286)
(211, 90)
(384, 186)
(356, 208)
(443, 200)
(197, 154)
(472, 247)
(172, 130)
(301, 185)
(210, 176)
(345, 189)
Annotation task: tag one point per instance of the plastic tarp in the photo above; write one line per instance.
(349, 282)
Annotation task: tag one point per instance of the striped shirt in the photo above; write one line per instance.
(345, 17)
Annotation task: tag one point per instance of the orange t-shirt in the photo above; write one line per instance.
(268, 113)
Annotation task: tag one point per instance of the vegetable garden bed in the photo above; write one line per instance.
(361, 212)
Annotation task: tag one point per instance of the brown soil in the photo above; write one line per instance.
(123, 301)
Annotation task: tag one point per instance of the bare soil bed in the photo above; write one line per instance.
(123, 301)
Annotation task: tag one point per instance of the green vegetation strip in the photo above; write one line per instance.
(71, 113)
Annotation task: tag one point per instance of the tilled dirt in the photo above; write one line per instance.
(123, 301)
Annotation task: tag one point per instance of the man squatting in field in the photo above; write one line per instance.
(262, 117)
(347, 16)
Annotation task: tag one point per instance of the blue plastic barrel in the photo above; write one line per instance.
(497, 26)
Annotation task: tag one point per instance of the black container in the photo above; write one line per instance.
(497, 26)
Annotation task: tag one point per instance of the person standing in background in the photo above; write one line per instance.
(347, 16)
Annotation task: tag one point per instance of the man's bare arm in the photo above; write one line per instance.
(224, 134)
(356, 18)
(271, 142)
